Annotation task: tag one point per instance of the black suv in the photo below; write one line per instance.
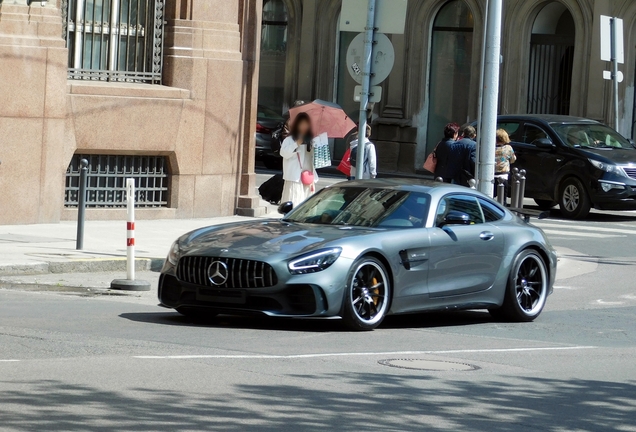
(573, 162)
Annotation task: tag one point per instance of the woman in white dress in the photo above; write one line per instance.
(298, 157)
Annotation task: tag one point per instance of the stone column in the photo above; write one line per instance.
(249, 201)
(32, 112)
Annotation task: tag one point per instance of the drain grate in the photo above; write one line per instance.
(428, 365)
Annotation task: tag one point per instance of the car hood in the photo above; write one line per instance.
(612, 155)
(260, 240)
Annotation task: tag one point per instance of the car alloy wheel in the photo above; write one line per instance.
(571, 198)
(574, 201)
(527, 289)
(368, 294)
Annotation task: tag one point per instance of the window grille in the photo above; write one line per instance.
(107, 176)
(114, 40)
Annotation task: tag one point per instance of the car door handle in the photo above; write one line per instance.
(486, 236)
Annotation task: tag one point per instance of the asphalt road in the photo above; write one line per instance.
(122, 363)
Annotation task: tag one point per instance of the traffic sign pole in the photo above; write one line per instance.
(366, 83)
(486, 165)
(614, 43)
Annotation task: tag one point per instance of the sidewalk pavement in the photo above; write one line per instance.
(43, 257)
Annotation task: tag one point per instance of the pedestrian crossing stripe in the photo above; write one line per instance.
(579, 234)
(567, 229)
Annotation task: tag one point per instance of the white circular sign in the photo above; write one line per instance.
(382, 59)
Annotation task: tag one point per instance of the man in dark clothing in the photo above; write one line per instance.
(466, 151)
(447, 167)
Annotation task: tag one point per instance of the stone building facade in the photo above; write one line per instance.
(163, 91)
(551, 64)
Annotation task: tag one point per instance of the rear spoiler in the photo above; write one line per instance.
(526, 214)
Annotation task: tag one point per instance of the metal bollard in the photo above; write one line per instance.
(439, 179)
(514, 200)
(81, 204)
(522, 187)
(472, 183)
(501, 192)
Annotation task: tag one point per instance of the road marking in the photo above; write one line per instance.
(362, 354)
(8, 361)
(590, 228)
(608, 303)
(580, 234)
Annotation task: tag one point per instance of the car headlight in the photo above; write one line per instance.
(608, 168)
(314, 262)
(173, 255)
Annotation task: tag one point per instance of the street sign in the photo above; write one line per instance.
(390, 16)
(608, 76)
(606, 39)
(382, 60)
(375, 94)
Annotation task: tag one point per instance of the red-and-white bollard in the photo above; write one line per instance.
(130, 284)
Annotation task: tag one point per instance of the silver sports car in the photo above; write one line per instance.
(366, 249)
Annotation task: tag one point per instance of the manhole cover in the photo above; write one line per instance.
(428, 365)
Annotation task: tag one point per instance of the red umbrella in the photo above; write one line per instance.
(325, 117)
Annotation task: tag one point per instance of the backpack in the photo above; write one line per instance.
(354, 154)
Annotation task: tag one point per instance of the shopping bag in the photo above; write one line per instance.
(431, 162)
(322, 153)
(345, 164)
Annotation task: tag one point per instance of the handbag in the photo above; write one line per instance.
(322, 154)
(431, 162)
(306, 176)
(345, 163)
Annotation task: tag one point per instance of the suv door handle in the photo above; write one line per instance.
(486, 236)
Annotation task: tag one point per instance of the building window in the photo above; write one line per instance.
(451, 65)
(107, 176)
(273, 62)
(114, 40)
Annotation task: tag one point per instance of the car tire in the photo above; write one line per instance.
(527, 290)
(573, 199)
(367, 294)
(196, 313)
(546, 204)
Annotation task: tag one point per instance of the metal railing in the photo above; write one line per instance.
(106, 185)
(114, 40)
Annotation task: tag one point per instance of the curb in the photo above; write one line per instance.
(79, 290)
(97, 265)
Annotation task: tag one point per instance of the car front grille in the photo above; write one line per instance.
(631, 172)
(240, 273)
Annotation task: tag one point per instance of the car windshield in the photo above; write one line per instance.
(591, 136)
(266, 113)
(364, 207)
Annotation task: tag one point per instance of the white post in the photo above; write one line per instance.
(366, 86)
(113, 44)
(130, 229)
(486, 167)
(481, 96)
(614, 43)
(77, 35)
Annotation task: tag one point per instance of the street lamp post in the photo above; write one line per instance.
(489, 109)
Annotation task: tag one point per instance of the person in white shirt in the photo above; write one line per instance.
(370, 163)
(298, 162)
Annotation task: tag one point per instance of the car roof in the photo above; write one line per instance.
(547, 118)
(410, 184)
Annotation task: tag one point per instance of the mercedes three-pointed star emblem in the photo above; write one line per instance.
(218, 273)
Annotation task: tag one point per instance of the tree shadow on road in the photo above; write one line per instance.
(404, 401)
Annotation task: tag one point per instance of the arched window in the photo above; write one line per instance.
(551, 61)
(451, 64)
(273, 55)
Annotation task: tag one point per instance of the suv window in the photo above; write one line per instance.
(533, 133)
(513, 129)
(461, 203)
(492, 213)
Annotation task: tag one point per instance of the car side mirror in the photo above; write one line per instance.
(456, 218)
(285, 207)
(544, 144)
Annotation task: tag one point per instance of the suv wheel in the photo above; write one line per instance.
(573, 199)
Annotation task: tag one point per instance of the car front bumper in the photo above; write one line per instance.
(311, 295)
(621, 196)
